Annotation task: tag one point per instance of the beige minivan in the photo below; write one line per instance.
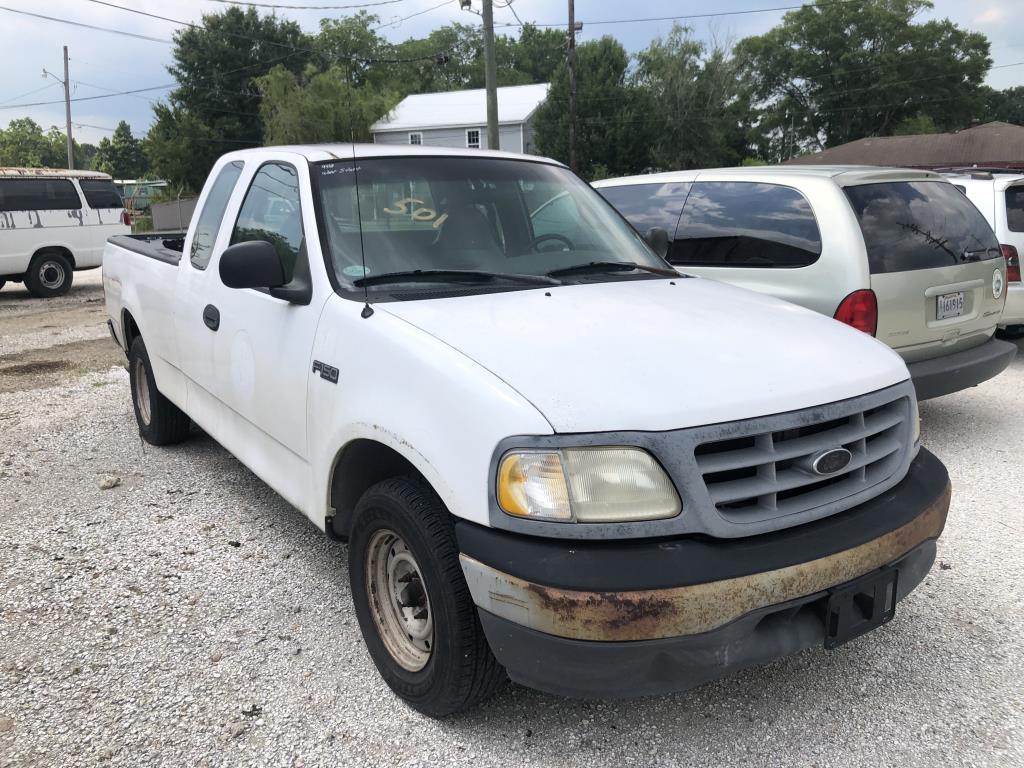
(899, 254)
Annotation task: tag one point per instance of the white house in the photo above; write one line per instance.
(459, 119)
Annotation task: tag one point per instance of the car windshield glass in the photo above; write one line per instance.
(444, 217)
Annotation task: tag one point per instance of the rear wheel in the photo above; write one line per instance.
(49, 274)
(160, 421)
(2, 284)
(414, 608)
(1011, 332)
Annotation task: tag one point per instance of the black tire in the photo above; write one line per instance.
(461, 670)
(1011, 332)
(160, 421)
(49, 274)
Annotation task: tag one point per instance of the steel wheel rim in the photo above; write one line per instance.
(51, 275)
(398, 600)
(142, 399)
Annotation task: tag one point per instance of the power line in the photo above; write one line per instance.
(292, 48)
(29, 93)
(702, 15)
(309, 7)
(87, 26)
(90, 98)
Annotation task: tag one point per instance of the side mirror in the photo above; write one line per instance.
(253, 264)
(657, 238)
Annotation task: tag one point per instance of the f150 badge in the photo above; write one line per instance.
(328, 372)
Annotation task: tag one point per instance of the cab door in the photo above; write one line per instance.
(262, 345)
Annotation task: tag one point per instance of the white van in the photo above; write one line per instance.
(1000, 198)
(53, 222)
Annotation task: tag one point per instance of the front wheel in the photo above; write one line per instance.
(49, 274)
(414, 609)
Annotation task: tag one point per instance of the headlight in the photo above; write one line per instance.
(586, 485)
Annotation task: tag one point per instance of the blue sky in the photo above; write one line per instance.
(103, 62)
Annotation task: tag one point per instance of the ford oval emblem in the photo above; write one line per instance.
(831, 461)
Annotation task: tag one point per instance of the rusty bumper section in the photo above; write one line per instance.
(689, 610)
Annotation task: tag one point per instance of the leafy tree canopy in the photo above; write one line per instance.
(121, 155)
(23, 143)
(834, 72)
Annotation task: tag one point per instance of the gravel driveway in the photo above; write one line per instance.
(164, 607)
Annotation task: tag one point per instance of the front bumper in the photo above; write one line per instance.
(944, 375)
(643, 617)
(1013, 312)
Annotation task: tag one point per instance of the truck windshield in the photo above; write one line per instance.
(452, 219)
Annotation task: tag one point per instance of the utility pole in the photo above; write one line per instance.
(491, 77)
(66, 82)
(571, 61)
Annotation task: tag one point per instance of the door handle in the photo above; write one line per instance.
(211, 316)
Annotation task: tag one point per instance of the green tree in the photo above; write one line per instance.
(319, 106)
(1006, 105)
(215, 108)
(121, 155)
(24, 144)
(614, 127)
(697, 101)
(835, 72)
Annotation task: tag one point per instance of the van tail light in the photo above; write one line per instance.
(1012, 263)
(859, 310)
(126, 218)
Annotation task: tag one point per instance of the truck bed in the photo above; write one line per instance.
(162, 246)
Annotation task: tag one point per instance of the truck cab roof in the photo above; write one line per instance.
(316, 153)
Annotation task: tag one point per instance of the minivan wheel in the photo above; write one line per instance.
(1011, 332)
(49, 274)
(160, 421)
(414, 609)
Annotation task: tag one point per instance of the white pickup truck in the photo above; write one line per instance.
(551, 455)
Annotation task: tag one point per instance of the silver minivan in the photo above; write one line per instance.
(898, 254)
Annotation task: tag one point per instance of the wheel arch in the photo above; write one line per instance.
(129, 330)
(359, 464)
(63, 250)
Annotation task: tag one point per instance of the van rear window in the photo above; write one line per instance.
(1015, 208)
(100, 193)
(38, 195)
(910, 225)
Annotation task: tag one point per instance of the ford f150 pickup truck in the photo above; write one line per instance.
(552, 457)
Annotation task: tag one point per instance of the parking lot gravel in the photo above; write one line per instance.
(164, 607)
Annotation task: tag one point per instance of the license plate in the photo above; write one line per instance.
(860, 606)
(949, 305)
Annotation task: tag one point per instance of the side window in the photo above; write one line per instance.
(1015, 208)
(744, 224)
(208, 223)
(100, 193)
(271, 212)
(649, 205)
(38, 195)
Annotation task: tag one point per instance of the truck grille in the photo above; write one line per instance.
(762, 471)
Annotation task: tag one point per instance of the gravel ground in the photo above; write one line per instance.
(188, 616)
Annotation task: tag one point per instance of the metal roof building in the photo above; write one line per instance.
(992, 145)
(459, 119)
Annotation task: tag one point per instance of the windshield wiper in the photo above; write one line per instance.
(451, 275)
(610, 266)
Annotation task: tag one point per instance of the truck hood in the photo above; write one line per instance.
(653, 355)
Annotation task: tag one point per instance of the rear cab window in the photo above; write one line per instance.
(746, 224)
(38, 195)
(911, 225)
(100, 193)
(212, 214)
